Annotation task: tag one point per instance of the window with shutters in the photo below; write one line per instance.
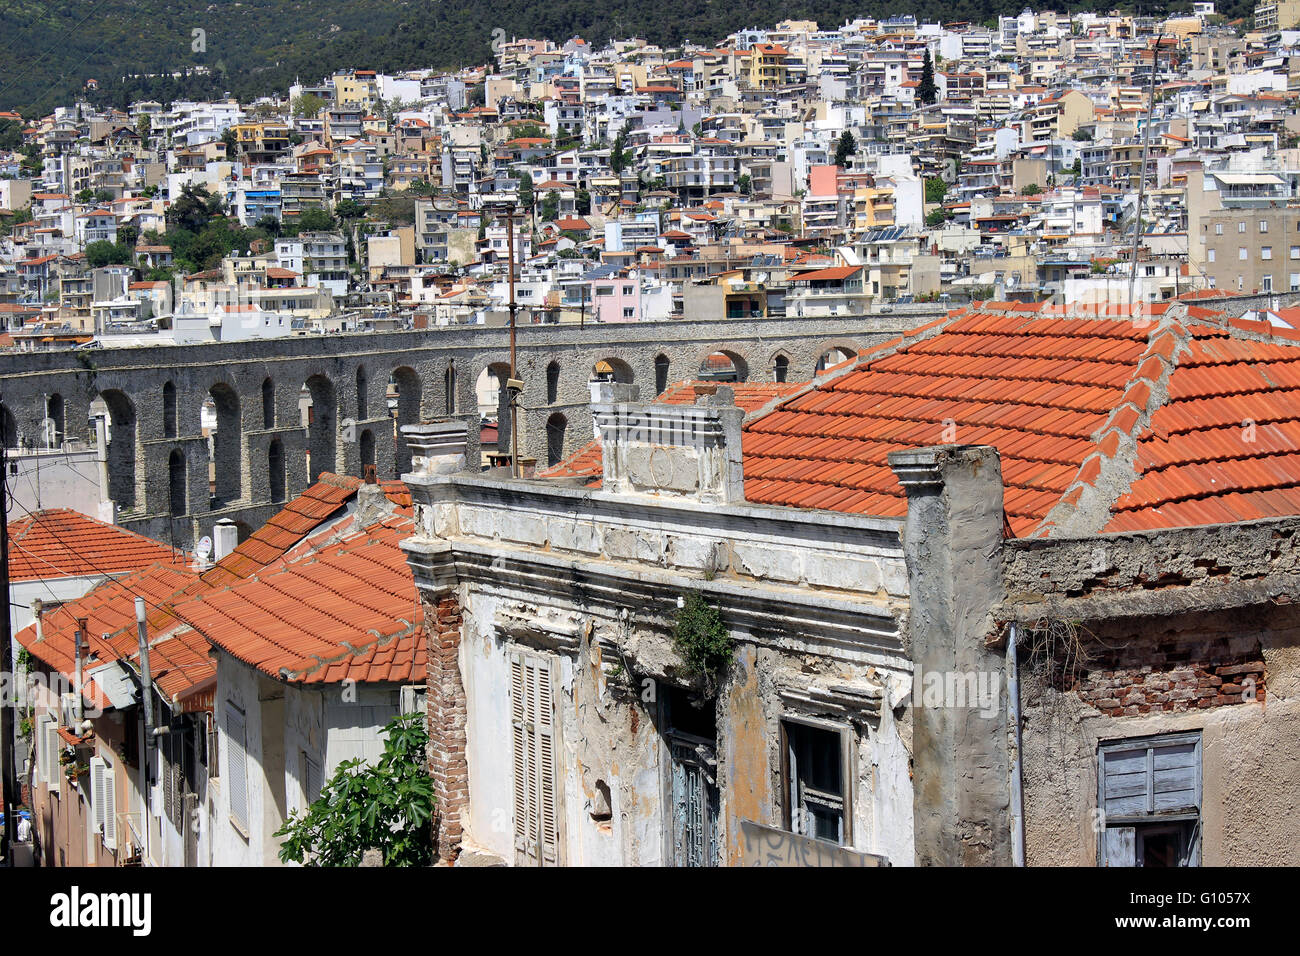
(532, 719)
(236, 767)
(109, 821)
(818, 761)
(53, 749)
(1149, 793)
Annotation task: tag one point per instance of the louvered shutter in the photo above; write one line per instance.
(237, 769)
(97, 794)
(110, 806)
(533, 741)
(544, 721)
(520, 739)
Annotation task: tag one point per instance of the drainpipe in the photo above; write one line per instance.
(1017, 782)
(79, 637)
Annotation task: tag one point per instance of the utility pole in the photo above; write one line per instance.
(513, 387)
(9, 711)
(1142, 173)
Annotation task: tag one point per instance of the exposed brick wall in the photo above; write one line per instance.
(1176, 675)
(446, 710)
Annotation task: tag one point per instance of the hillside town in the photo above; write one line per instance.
(859, 445)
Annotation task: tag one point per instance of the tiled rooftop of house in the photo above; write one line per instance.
(1163, 422)
(307, 553)
(1066, 400)
(348, 611)
(61, 543)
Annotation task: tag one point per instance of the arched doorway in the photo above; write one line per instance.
(367, 447)
(723, 367)
(224, 428)
(268, 403)
(552, 383)
(56, 413)
(449, 387)
(781, 369)
(832, 357)
(123, 428)
(404, 395)
(176, 483)
(319, 410)
(661, 374)
(556, 426)
(275, 470)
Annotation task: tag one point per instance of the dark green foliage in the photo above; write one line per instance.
(845, 148)
(935, 189)
(386, 806)
(254, 48)
(926, 91)
(703, 640)
(104, 253)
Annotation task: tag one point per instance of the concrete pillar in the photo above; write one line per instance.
(952, 545)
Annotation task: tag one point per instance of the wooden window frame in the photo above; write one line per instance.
(848, 771)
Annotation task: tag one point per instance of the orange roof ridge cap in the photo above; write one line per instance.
(1108, 472)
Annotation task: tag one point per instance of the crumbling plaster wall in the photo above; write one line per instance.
(1169, 623)
(616, 657)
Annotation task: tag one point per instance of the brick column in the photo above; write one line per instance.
(446, 715)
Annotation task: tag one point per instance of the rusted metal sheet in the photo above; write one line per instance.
(766, 846)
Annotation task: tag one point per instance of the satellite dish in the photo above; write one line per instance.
(203, 548)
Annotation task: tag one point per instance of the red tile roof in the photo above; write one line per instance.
(303, 535)
(61, 543)
(350, 611)
(1063, 398)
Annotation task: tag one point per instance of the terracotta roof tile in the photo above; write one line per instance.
(61, 543)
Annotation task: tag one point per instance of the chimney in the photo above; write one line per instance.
(952, 543)
(684, 451)
(438, 447)
(225, 537)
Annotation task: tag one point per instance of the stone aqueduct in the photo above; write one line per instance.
(158, 456)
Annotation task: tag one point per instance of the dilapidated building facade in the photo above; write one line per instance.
(997, 592)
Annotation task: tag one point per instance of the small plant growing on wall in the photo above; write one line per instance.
(703, 641)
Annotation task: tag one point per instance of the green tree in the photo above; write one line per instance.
(1033, 189)
(309, 104)
(936, 218)
(315, 219)
(105, 253)
(386, 806)
(349, 209)
(526, 190)
(618, 155)
(845, 148)
(926, 91)
(128, 235)
(935, 189)
(550, 210)
(745, 185)
(192, 209)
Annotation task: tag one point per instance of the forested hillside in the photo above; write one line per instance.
(48, 50)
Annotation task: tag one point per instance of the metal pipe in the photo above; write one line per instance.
(1017, 780)
(9, 707)
(78, 641)
(146, 694)
(514, 372)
